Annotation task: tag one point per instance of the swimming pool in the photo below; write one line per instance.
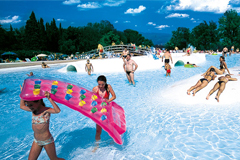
(156, 129)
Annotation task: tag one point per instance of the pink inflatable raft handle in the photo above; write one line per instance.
(110, 116)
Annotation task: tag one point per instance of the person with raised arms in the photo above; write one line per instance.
(40, 125)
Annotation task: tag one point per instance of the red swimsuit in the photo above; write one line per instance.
(106, 95)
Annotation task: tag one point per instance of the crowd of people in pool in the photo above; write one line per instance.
(41, 113)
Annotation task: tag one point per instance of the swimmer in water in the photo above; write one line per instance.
(194, 65)
(220, 86)
(44, 65)
(30, 74)
(89, 67)
(129, 69)
(103, 90)
(203, 82)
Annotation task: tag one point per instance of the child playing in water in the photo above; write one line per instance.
(168, 69)
(40, 126)
(31, 74)
(89, 67)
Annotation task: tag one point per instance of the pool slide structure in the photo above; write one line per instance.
(110, 116)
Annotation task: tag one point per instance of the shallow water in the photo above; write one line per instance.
(156, 129)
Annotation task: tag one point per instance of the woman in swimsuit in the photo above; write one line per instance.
(223, 66)
(103, 90)
(220, 86)
(202, 82)
(40, 126)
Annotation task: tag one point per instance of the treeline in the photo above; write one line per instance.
(209, 36)
(37, 37)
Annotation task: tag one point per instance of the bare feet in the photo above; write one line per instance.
(207, 97)
(217, 98)
(193, 93)
(96, 147)
(188, 92)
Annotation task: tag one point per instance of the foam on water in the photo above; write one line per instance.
(158, 125)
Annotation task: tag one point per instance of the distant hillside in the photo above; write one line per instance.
(158, 38)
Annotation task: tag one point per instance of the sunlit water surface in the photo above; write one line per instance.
(156, 129)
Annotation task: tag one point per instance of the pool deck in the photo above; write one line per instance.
(26, 64)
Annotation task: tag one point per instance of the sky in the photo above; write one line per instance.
(152, 16)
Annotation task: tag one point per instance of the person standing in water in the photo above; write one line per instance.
(168, 69)
(129, 69)
(167, 56)
(232, 51)
(220, 86)
(224, 52)
(125, 53)
(40, 125)
(103, 90)
(89, 67)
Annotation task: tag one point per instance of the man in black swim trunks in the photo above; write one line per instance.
(167, 56)
(129, 69)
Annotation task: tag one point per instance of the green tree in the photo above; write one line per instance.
(32, 33)
(205, 36)
(229, 25)
(180, 38)
(68, 47)
(20, 37)
(3, 37)
(42, 36)
(134, 37)
(108, 38)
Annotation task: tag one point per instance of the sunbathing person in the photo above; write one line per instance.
(203, 82)
(220, 86)
(223, 66)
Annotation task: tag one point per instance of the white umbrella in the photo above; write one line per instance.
(42, 55)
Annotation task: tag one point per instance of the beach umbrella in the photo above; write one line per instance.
(9, 54)
(42, 55)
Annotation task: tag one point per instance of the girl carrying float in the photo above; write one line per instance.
(105, 113)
